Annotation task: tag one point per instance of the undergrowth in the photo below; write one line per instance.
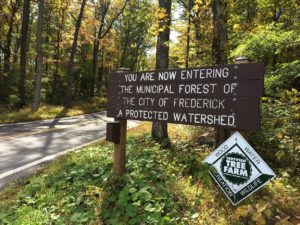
(10, 115)
(163, 185)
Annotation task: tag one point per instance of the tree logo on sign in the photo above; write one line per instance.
(236, 168)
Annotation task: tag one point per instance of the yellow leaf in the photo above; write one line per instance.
(268, 213)
(279, 136)
(261, 206)
(261, 221)
(196, 8)
(294, 91)
(256, 216)
(236, 26)
(242, 211)
(285, 222)
(161, 15)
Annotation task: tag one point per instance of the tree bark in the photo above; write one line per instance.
(17, 46)
(188, 38)
(39, 58)
(7, 52)
(219, 53)
(198, 36)
(72, 56)
(219, 45)
(103, 11)
(100, 72)
(58, 51)
(160, 129)
(23, 55)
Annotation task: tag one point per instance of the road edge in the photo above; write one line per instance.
(28, 169)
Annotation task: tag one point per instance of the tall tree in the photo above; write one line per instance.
(57, 56)
(72, 56)
(219, 51)
(102, 32)
(23, 54)
(132, 28)
(188, 38)
(219, 45)
(160, 129)
(11, 23)
(39, 57)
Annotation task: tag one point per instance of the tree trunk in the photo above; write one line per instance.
(94, 67)
(197, 22)
(103, 11)
(100, 72)
(188, 38)
(160, 129)
(39, 58)
(17, 46)
(7, 52)
(23, 55)
(47, 40)
(57, 52)
(219, 45)
(219, 9)
(57, 59)
(72, 56)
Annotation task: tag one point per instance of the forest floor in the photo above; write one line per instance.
(163, 185)
(46, 111)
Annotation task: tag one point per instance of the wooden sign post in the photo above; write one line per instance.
(120, 149)
(119, 158)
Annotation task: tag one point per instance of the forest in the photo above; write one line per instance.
(56, 57)
(55, 51)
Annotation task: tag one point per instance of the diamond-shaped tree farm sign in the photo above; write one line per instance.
(238, 169)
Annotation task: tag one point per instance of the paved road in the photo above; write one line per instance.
(25, 143)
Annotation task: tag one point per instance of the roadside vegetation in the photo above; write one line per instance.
(163, 184)
(10, 115)
(56, 52)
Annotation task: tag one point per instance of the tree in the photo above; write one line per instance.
(7, 52)
(39, 58)
(219, 51)
(102, 32)
(133, 32)
(62, 17)
(72, 56)
(23, 55)
(219, 45)
(160, 129)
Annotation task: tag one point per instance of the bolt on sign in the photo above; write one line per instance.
(220, 96)
(238, 169)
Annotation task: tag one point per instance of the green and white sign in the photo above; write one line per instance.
(238, 169)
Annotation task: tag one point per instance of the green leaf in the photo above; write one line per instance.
(132, 190)
(145, 195)
(131, 211)
(137, 203)
(149, 208)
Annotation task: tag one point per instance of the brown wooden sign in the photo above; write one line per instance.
(221, 96)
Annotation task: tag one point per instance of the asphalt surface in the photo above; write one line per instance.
(23, 145)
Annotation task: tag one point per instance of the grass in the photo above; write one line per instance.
(52, 111)
(161, 186)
